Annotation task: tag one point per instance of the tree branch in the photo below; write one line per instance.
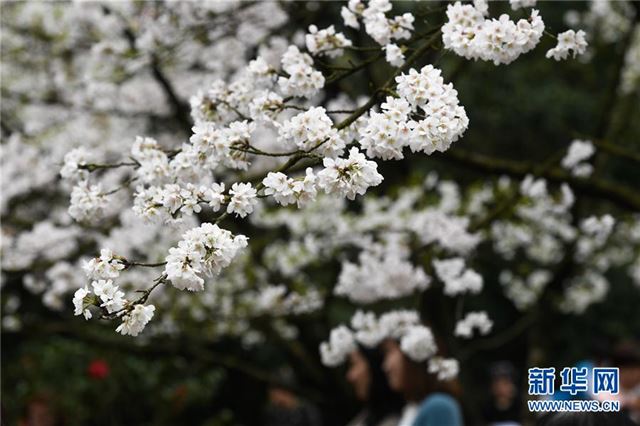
(622, 196)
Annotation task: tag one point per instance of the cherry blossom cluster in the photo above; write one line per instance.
(584, 290)
(444, 119)
(422, 94)
(105, 267)
(524, 291)
(108, 296)
(457, 278)
(473, 320)
(470, 35)
(303, 79)
(444, 368)
(205, 250)
(87, 202)
(594, 235)
(576, 159)
(416, 340)
(380, 274)
(326, 42)
(310, 130)
(569, 42)
(521, 4)
(135, 320)
(379, 27)
(286, 190)
(107, 110)
(544, 224)
(348, 177)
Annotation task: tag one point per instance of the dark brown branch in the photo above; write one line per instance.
(180, 108)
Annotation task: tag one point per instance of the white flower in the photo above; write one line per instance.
(72, 162)
(386, 134)
(456, 278)
(326, 42)
(303, 79)
(103, 267)
(367, 330)
(393, 55)
(477, 320)
(521, 4)
(401, 26)
(280, 186)
(569, 42)
(377, 26)
(110, 295)
(418, 343)
(595, 233)
(135, 321)
(444, 368)
(78, 303)
(348, 177)
(180, 269)
(266, 106)
(350, 18)
(87, 202)
(261, 70)
(304, 189)
(312, 129)
(582, 291)
(524, 293)
(448, 230)
(154, 163)
(579, 151)
(214, 195)
(445, 120)
(206, 250)
(212, 145)
(341, 343)
(376, 277)
(395, 324)
(243, 199)
(501, 41)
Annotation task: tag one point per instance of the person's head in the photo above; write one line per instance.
(405, 376)
(503, 380)
(626, 356)
(359, 375)
(585, 419)
(280, 393)
(370, 384)
(410, 378)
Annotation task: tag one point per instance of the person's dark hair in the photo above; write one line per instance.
(626, 353)
(586, 419)
(382, 401)
(502, 369)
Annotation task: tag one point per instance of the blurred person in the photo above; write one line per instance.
(503, 407)
(428, 401)
(382, 405)
(585, 418)
(285, 408)
(40, 412)
(626, 356)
